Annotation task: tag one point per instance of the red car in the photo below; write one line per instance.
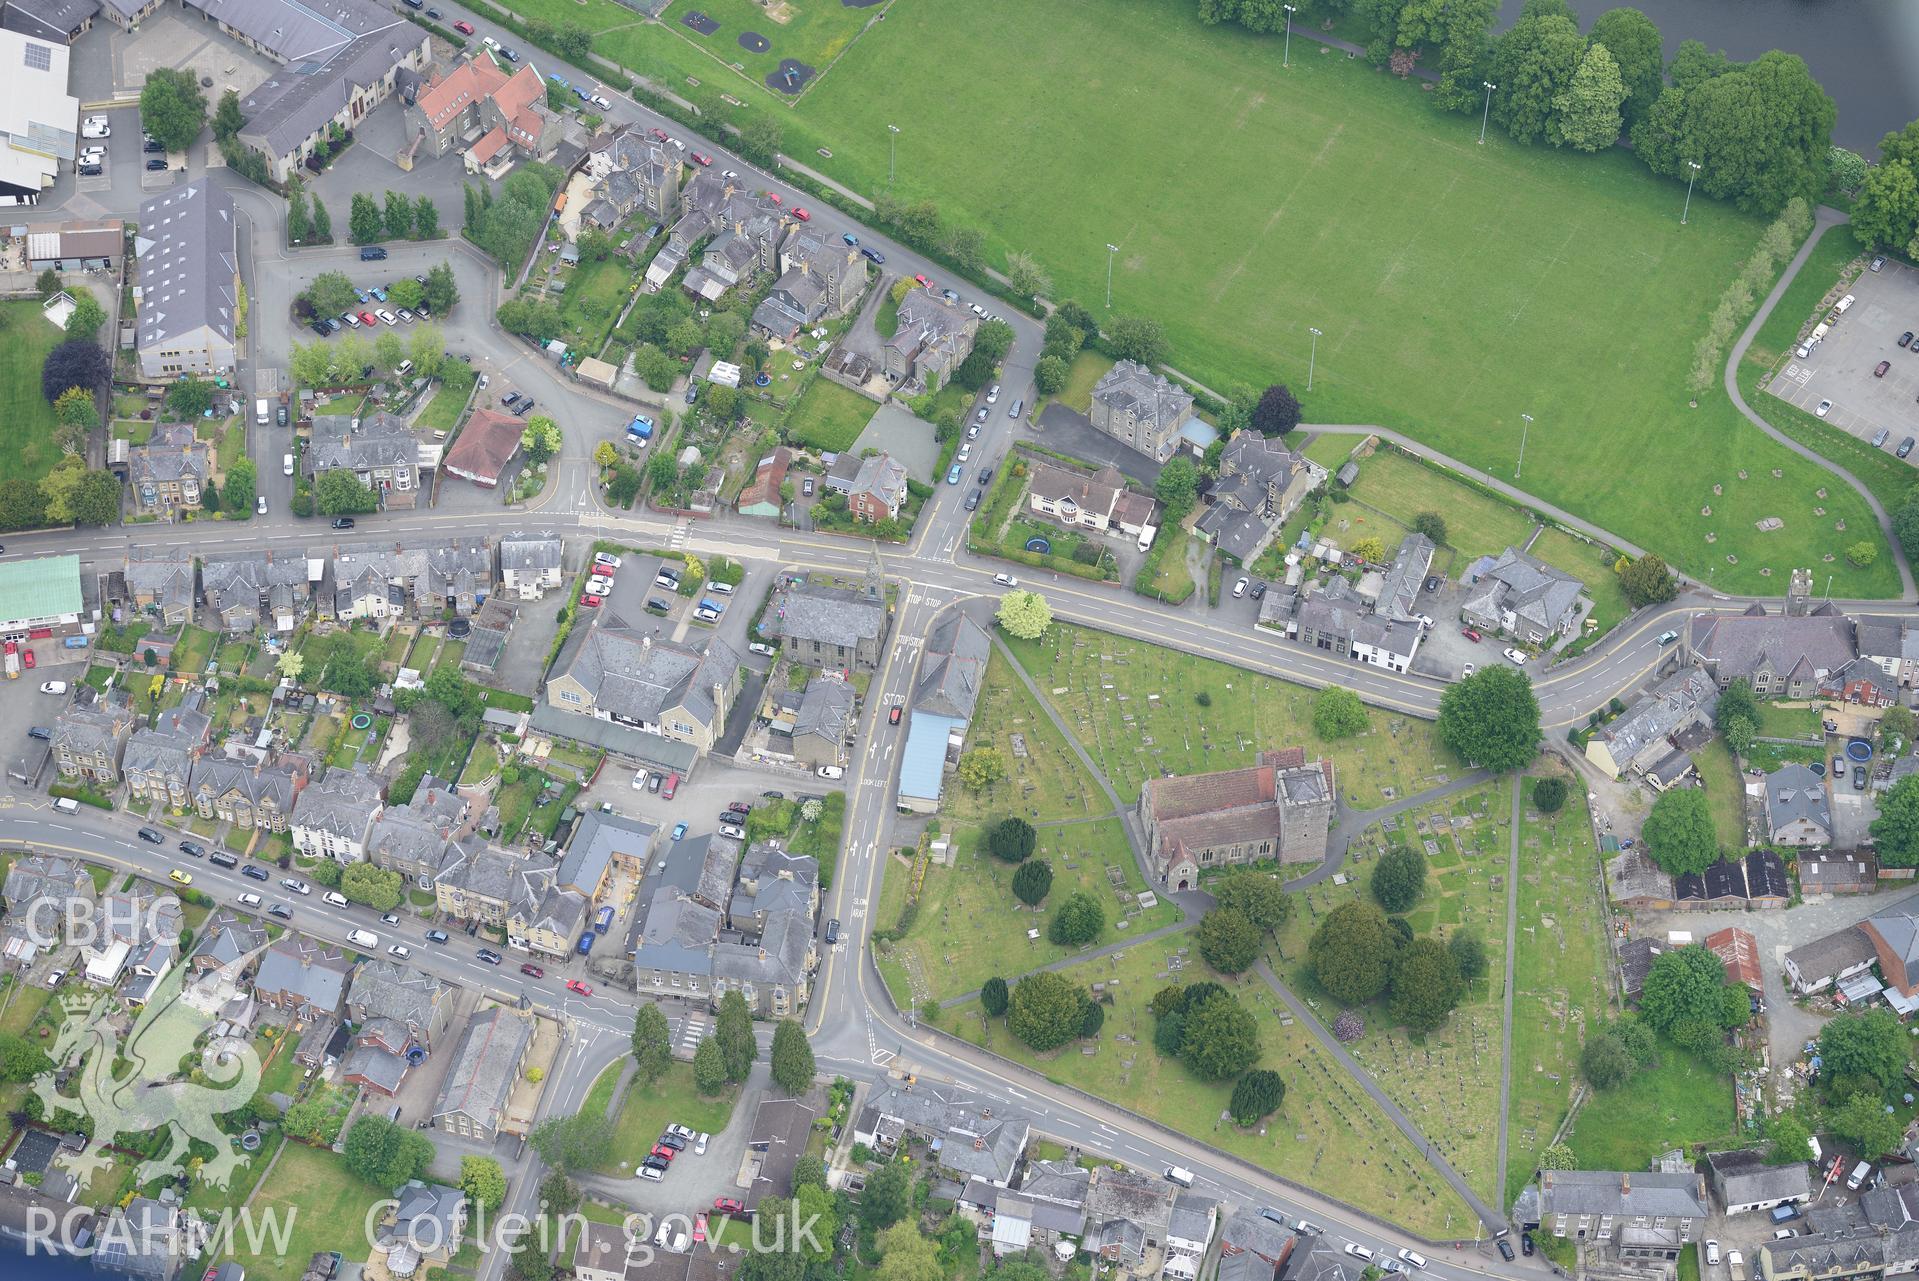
(369, 319)
(672, 786)
(801, 214)
(663, 1152)
(893, 717)
(464, 28)
(1470, 634)
(699, 1227)
(26, 659)
(773, 196)
(1880, 372)
(727, 1205)
(533, 971)
(658, 133)
(701, 158)
(591, 601)
(578, 988)
(924, 282)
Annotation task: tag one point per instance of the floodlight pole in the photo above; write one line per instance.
(1690, 179)
(1525, 427)
(1286, 58)
(1487, 113)
(1111, 249)
(1312, 359)
(892, 148)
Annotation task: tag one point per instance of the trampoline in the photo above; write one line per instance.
(361, 720)
(1041, 545)
(1858, 750)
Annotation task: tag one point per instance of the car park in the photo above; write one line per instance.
(1905, 446)
(156, 163)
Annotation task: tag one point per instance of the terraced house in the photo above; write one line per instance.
(304, 977)
(632, 173)
(531, 565)
(933, 338)
(160, 584)
(378, 450)
(412, 839)
(391, 581)
(248, 793)
(246, 591)
(333, 816)
(158, 762)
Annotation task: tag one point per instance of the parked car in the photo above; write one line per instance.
(578, 988)
(153, 836)
(672, 1141)
(1879, 371)
(488, 955)
(1239, 588)
(606, 560)
(701, 159)
(464, 27)
(872, 255)
(1516, 656)
(728, 1205)
(387, 316)
(1471, 634)
(1905, 446)
(1905, 339)
(953, 474)
(801, 214)
(372, 253)
(1879, 437)
(281, 910)
(343, 522)
(193, 849)
(532, 971)
(1005, 580)
(672, 785)
(1823, 408)
(254, 872)
(436, 936)
(180, 878)
(1859, 778)
(52, 687)
(652, 1173)
(297, 886)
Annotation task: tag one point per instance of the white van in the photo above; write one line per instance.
(249, 900)
(1861, 1171)
(286, 465)
(67, 805)
(334, 898)
(263, 411)
(363, 938)
(406, 367)
(1843, 305)
(1180, 1175)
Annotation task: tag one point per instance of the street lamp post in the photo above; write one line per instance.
(1691, 178)
(1286, 58)
(1487, 113)
(892, 146)
(1312, 359)
(1111, 249)
(1525, 427)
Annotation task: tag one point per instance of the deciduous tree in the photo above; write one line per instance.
(1866, 1121)
(1636, 45)
(481, 1178)
(1469, 954)
(1137, 338)
(1679, 832)
(572, 1144)
(1870, 1044)
(1586, 113)
(1533, 63)
(1491, 719)
(981, 767)
(1277, 412)
(172, 108)
(384, 1154)
(78, 362)
(1684, 986)
(1024, 614)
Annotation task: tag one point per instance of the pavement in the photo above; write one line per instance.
(855, 1029)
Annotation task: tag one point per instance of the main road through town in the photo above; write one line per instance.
(853, 1023)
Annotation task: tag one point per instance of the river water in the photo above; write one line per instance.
(1865, 52)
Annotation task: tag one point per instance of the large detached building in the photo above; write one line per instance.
(40, 596)
(338, 60)
(1279, 808)
(188, 291)
(39, 119)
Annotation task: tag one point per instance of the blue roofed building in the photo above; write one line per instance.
(930, 740)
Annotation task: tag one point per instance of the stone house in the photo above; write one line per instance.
(830, 628)
(1645, 733)
(1797, 811)
(1261, 483)
(244, 591)
(1782, 655)
(932, 338)
(379, 451)
(1097, 500)
(486, 1064)
(89, 741)
(160, 583)
(248, 793)
(167, 472)
(1524, 597)
(657, 687)
(158, 762)
(1140, 409)
(485, 113)
(874, 485)
(302, 976)
(531, 565)
(334, 815)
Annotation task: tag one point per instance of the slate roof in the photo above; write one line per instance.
(49, 19)
(375, 1064)
(259, 784)
(1406, 577)
(952, 668)
(1131, 386)
(1744, 1177)
(300, 966)
(226, 936)
(825, 712)
(824, 615)
(166, 577)
(1528, 587)
(531, 553)
(597, 838)
(635, 678)
(188, 261)
(1685, 697)
(343, 803)
(379, 440)
(1641, 1193)
(326, 52)
(1256, 1234)
(450, 569)
(485, 1064)
(389, 990)
(168, 747)
(242, 579)
(1795, 794)
(1799, 647)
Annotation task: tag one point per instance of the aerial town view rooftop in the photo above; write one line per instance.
(959, 640)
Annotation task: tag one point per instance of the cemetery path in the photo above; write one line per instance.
(1512, 931)
(1353, 822)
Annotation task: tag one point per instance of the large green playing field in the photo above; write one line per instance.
(1457, 286)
